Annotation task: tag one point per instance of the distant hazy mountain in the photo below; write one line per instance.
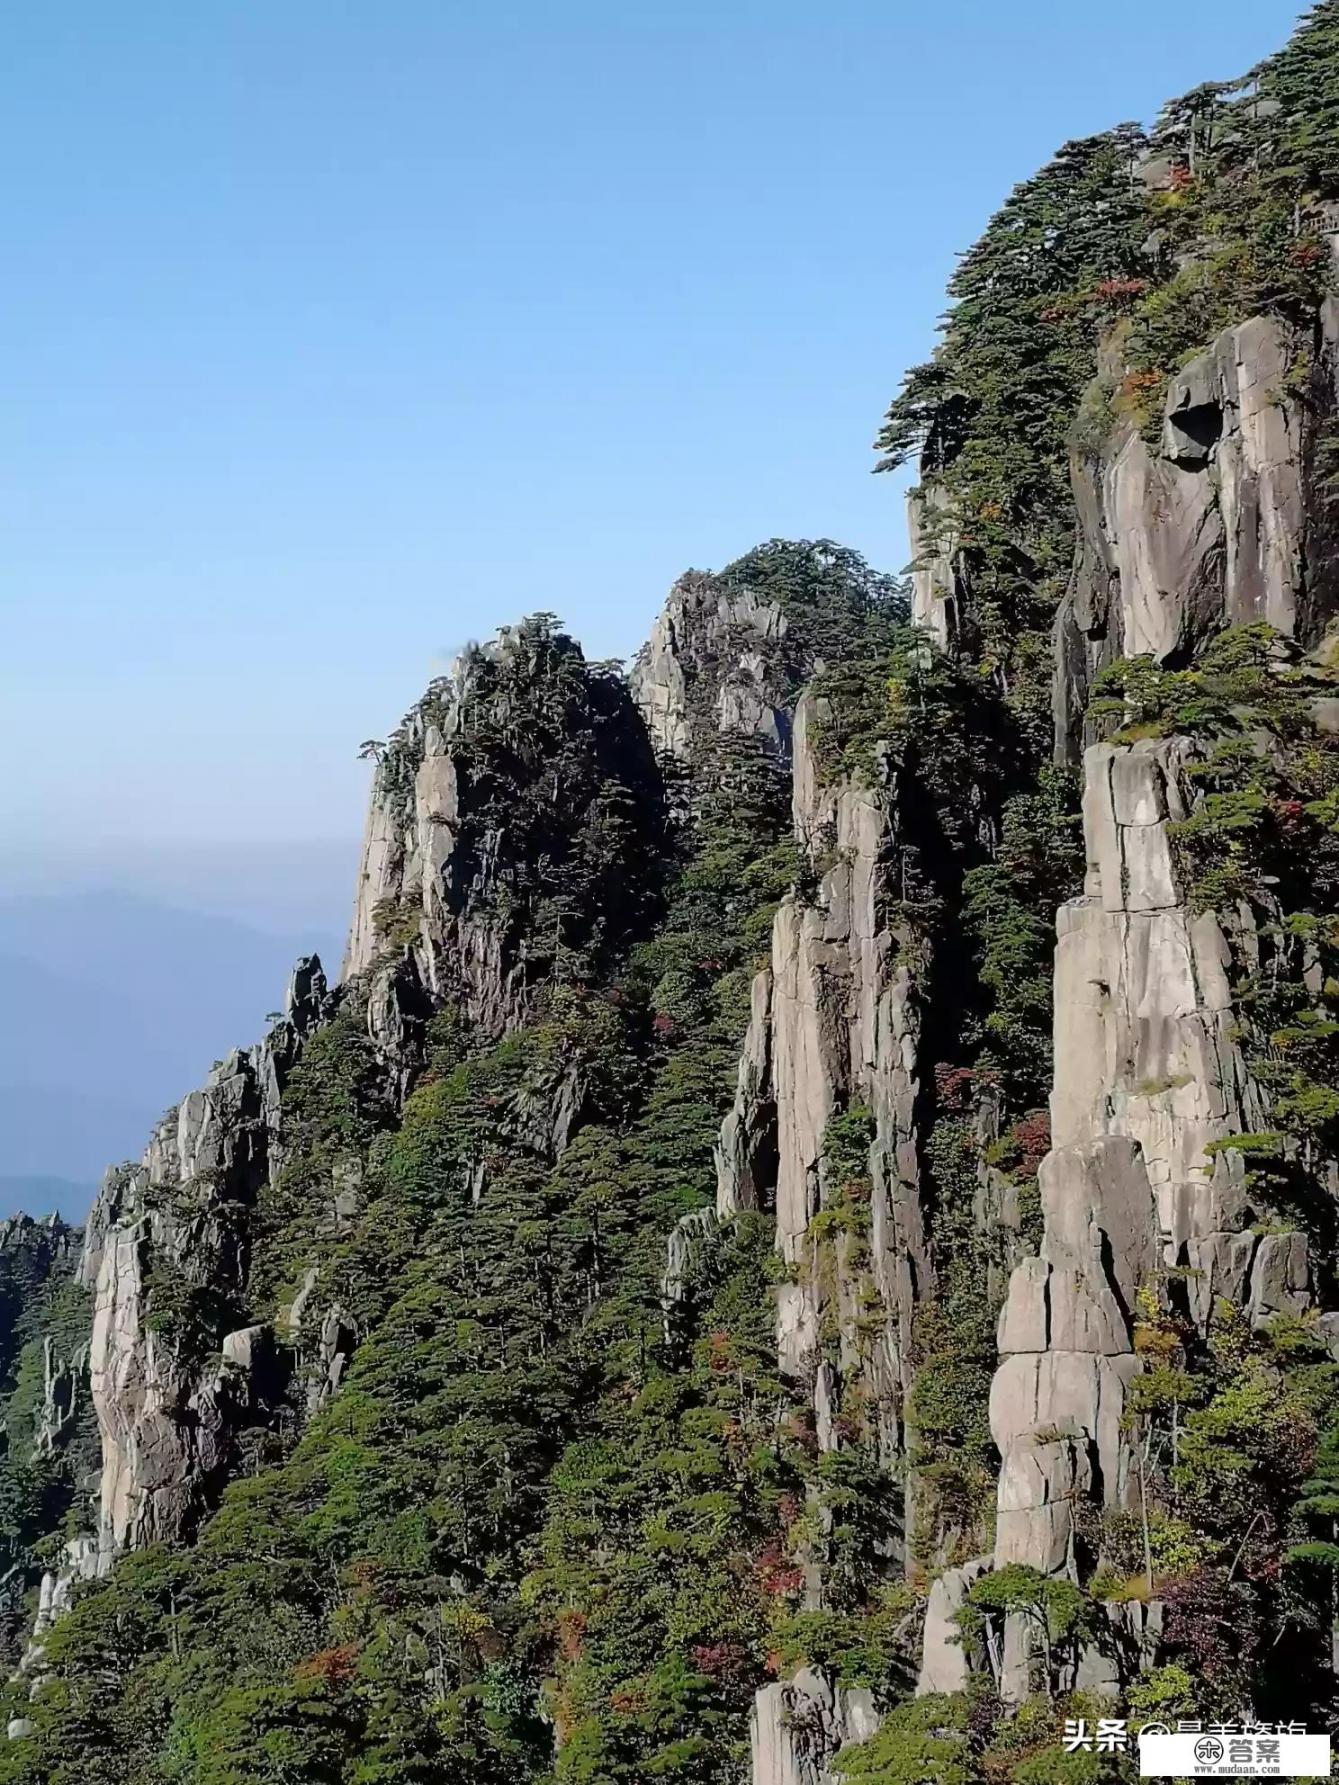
(283, 887)
(38, 1195)
(111, 1007)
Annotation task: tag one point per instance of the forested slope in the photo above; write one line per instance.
(729, 1286)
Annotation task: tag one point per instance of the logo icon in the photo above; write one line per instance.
(1209, 1749)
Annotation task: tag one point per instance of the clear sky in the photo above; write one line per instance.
(335, 334)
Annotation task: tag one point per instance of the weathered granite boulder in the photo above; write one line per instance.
(946, 1664)
(799, 1725)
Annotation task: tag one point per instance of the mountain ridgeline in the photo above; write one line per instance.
(804, 1244)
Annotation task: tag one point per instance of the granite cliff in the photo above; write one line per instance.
(802, 1245)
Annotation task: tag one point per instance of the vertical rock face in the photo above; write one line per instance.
(1144, 1018)
(731, 652)
(834, 1032)
(1214, 525)
(746, 1156)
(946, 1663)
(799, 1726)
(715, 659)
(835, 1027)
(64, 1387)
(42, 1346)
(1209, 528)
(480, 871)
(166, 1241)
(1147, 1075)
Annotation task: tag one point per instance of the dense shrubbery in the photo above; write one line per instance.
(41, 1484)
(529, 1504)
(538, 1502)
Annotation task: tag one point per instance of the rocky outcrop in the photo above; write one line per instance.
(834, 1032)
(41, 1346)
(835, 1027)
(1145, 1027)
(36, 1259)
(1147, 1075)
(746, 1156)
(690, 1238)
(64, 1388)
(412, 901)
(799, 1725)
(34, 1249)
(492, 809)
(946, 1661)
(80, 1560)
(323, 1336)
(484, 865)
(166, 1254)
(1209, 528)
(714, 662)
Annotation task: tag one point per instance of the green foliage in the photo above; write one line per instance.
(543, 1500)
(1057, 1609)
(920, 1743)
(1228, 1493)
(549, 754)
(1008, 915)
(836, 606)
(913, 716)
(1162, 1693)
(41, 1305)
(861, 1649)
(1103, 250)
(990, 413)
(1240, 683)
(533, 1497)
(955, 1357)
(659, 1552)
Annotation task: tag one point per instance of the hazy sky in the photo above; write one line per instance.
(335, 334)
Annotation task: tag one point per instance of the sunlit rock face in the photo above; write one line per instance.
(835, 1024)
(1148, 1075)
(1209, 527)
(161, 1232)
(715, 660)
(483, 809)
(800, 1725)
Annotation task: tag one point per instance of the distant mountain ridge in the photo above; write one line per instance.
(39, 1196)
(154, 986)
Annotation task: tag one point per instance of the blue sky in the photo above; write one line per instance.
(338, 333)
